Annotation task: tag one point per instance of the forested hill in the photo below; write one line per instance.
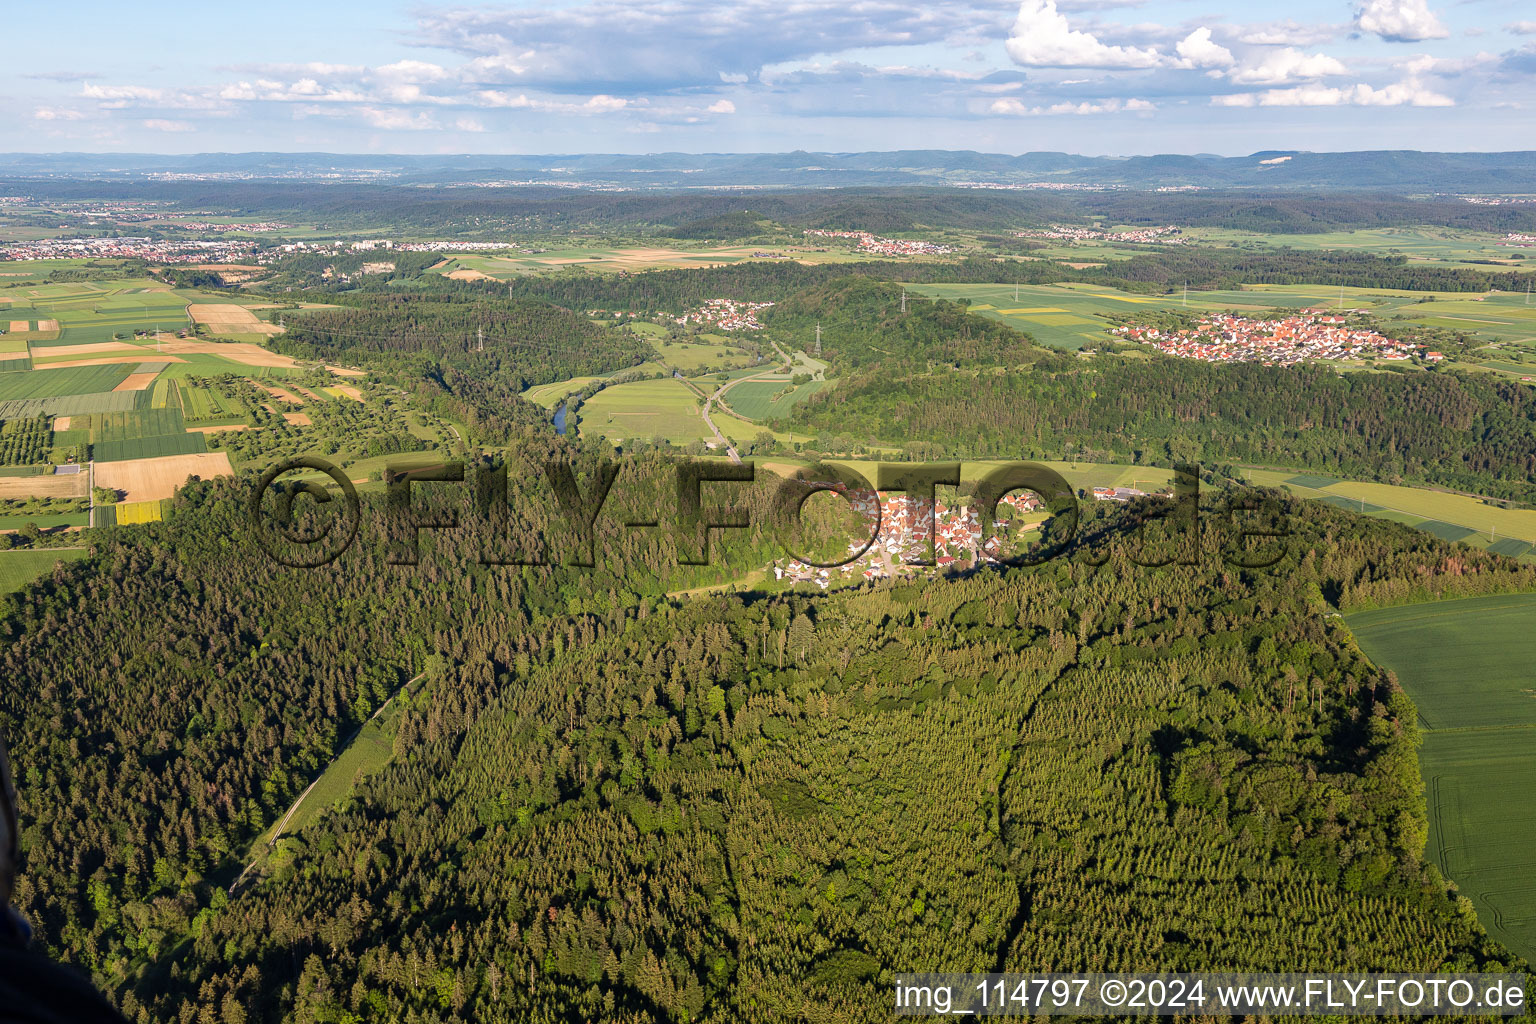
(1469, 432)
(725, 810)
(865, 328)
(1198, 268)
(433, 345)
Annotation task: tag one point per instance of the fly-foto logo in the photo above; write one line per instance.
(301, 522)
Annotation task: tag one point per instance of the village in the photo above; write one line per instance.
(903, 539)
(877, 246)
(128, 248)
(902, 542)
(725, 314)
(1168, 235)
(1309, 334)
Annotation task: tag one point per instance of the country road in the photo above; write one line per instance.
(709, 402)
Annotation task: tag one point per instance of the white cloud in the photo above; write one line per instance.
(469, 124)
(398, 120)
(1041, 37)
(1288, 65)
(1405, 93)
(1289, 32)
(57, 114)
(161, 125)
(606, 104)
(496, 98)
(413, 71)
(722, 107)
(1521, 28)
(121, 95)
(1400, 21)
(1199, 50)
(624, 46)
(1016, 108)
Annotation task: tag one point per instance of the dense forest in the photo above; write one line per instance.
(433, 346)
(608, 804)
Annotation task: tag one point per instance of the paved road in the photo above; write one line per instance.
(709, 403)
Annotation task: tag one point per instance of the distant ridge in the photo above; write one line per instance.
(1502, 173)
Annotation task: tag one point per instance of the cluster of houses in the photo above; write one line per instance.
(1169, 235)
(725, 314)
(1310, 334)
(1117, 493)
(1519, 241)
(1044, 186)
(903, 538)
(877, 246)
(259, 227)
(128, 248)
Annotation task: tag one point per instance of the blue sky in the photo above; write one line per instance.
(634, 76)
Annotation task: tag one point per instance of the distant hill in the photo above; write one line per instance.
(1386, 169)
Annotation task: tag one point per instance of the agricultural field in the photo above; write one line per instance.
(18, 568)
(551, 395)
(228, 318)
(1466, 664)
(1444, 246)
(57, 382)
(151, 479)
(614, 259)
(1072, 315)
(1454, 517)
(130, 513)
(141, 434)
(644, 409)
(1062, 316)
(762, 399)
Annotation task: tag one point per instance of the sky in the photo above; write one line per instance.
(1097, 77)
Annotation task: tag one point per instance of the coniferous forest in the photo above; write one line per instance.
(605, 803)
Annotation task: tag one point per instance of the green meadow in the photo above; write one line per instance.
(706, 350)
(644, 409)
(18, 568)
(762, 400)
(1454, 517)
(1424, 243)
(1466, 664)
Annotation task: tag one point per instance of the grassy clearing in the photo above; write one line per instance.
(1466, 664)
(18, 568)
(369, 751)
